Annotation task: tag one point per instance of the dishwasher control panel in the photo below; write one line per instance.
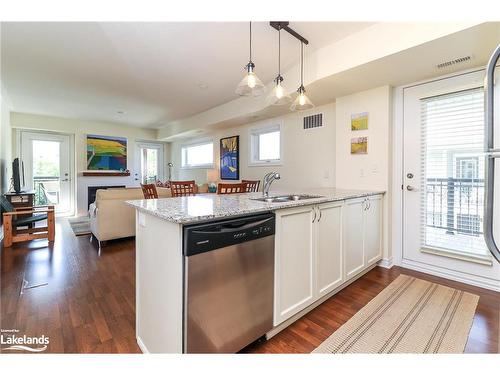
(200, 238)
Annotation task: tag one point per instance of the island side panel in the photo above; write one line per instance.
(159, 284)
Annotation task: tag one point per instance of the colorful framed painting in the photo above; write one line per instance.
(359, 121)
(359, 145)
(106, 153)
(230, 158)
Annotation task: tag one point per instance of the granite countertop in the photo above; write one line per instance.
(206, 207)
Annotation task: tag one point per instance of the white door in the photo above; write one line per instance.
(149, 159)
(373, 229)
(47, 164)
(443, 180)
(329, 248)
(353, 223)
(294, 262)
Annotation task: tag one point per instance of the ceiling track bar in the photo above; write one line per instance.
(283, 25)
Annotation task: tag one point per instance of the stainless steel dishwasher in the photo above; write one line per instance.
(229, 283)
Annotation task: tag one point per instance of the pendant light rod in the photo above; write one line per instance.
(278, 25)
(250, 41)
(302, 64)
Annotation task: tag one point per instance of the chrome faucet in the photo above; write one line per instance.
(268, 180)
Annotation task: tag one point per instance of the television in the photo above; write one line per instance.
(18, 175)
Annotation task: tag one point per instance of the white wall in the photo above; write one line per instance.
(308, 155)
(5, 145)
(371, 171)
(5, 142)
(79, 129)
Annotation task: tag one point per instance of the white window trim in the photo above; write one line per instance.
(268, 127)
(199, 143)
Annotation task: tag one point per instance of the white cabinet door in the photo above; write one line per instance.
(294, 262)
(354, 258)
(329, 264)
(373, 229)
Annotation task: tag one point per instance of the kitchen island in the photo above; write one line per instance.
(321, 244)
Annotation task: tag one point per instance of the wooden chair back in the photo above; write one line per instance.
(252, 186)
(182, 188)
(149, 191)
(231, 188)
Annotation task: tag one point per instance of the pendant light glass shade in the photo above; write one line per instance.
(250, 85)
(301, 102)
(278, 95)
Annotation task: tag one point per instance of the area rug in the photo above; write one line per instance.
(80, 225)
(409, 316)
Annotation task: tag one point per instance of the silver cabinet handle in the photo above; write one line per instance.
(410, 188)
(314, 218)
(320, 214)
(490, 162)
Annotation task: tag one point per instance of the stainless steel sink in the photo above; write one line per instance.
(286, 198)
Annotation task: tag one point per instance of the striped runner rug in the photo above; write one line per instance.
(409, 316)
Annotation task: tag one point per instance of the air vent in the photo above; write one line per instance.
(313, 121)
(449, 63)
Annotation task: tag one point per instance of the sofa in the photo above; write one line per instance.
(111, 218)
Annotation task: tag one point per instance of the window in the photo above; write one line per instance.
(200, 155)
(265, 145)
(453, 181)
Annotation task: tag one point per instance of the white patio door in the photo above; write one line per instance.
(149, 159)
(443, 181)
(47, 164)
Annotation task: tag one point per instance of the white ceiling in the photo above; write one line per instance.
(153, 72)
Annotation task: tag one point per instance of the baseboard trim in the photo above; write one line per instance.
(452, 275)
(300, 314)
(143, 347)
(386, 263)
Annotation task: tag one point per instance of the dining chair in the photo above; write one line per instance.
(231, 188)
(182, 188)
(252, 186)
(149, 191)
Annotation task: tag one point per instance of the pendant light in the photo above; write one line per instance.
(279, 95)
(302, 102)
(250, 85)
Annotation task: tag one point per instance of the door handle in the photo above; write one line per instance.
(410, 188)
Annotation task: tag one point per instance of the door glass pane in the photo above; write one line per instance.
(453, 172)
(149, 163)
(46, 172)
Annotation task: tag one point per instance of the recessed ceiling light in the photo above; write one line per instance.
(120, 112)
(202, 85)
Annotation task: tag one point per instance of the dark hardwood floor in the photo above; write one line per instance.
(88, 305)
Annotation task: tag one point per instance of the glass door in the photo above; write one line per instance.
(149, 162)
(444, 179)
(47, 167)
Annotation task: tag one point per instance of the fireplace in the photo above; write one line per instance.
(91, 191)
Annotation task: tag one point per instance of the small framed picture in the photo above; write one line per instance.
(359, 145)
(359, 121)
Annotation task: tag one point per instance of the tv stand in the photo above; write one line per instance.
(23, 199)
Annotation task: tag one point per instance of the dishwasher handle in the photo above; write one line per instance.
(233, 227)
(207, 237)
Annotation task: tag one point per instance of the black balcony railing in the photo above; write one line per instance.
(455, 204)
(46, 190)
